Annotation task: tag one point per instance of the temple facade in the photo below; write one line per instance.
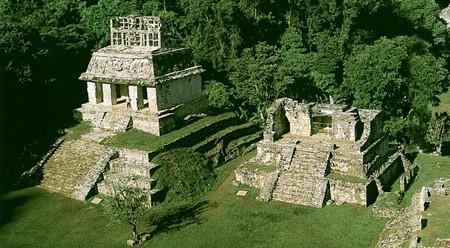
(314, 154)
(135, 82)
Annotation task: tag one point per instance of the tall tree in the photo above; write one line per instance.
(257, 78)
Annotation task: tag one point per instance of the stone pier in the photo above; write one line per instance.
(109, 94)
(136, 97)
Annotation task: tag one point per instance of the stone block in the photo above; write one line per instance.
(242, 193)
(109, 94)
(136, 97)
(131, 242)
(96, 201)
(95, 92)
(151, 98)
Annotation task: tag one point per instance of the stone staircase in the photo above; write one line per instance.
(96, 119)
(303, 181)
(131, 169)
(116, 122)
(74, 167)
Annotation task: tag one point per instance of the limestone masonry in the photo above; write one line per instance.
(135, 82)
(314, 153)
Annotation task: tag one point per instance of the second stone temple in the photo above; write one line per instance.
(136, 82)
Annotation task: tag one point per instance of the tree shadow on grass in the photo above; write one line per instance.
(9, 207)
(174, 218)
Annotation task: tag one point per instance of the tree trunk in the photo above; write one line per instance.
(439, 149)
(289, 18)
(134, 230)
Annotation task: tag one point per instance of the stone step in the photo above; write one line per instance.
(297, 199)
(301, 188)
(111, 180)
(313, 167)
(131, 168)
(134, 155)
(69, 165)
(97, 118)
(116, 122)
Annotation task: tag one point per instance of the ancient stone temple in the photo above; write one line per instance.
(136, 82)
(314, 153)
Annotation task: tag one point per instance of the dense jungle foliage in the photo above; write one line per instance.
(386, 54)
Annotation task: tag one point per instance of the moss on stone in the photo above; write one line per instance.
(346, 178)
(260, 167)
(136, 139)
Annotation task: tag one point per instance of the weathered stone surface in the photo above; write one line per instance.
(136, 97)
(445, 15)
(96, 201)
(308, 140)
(402, 229)
(348, 192)
(254, 178)
(131, 169)
(95, 92)
(235, 183)
(242, 193)
(70, 164)
(91, 178)
(269, 186)
(131, 242)
(135, 63)
(109, 94)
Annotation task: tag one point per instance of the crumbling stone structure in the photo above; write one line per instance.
(404, 228)
(322, 152)
(135, 82)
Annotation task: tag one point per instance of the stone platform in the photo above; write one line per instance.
(322, 152)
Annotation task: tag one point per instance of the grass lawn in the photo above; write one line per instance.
(444, 105)
(76, 131)
(35, 218)
(431, 167)
(136, 139)
(438, 216)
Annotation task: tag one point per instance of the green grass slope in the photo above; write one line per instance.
(35, 218)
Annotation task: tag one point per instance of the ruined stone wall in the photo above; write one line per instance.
(147, 123)
(391, 174)
(198, 105)
(281, 124)
(347, 192)
(373, 127)
(178, 91)
(345, 126)
(299, 116)
(348, 163)
(254, 178)
(135, 155)
(380, 148)
(268, 153)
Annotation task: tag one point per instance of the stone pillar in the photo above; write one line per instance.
(151, 98)
(109, 94)
(95, 93)
(136, 97)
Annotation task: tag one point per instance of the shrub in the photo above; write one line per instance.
(183, 174)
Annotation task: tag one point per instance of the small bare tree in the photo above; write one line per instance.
(129, 204)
